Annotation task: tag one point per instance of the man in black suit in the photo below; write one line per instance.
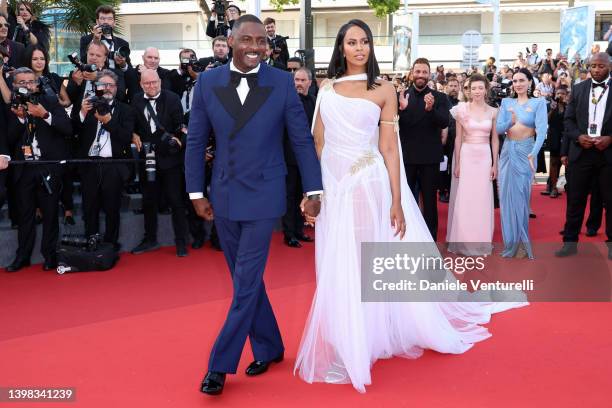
(278, 43)
(103, 32)
(82, 84)
(221, 53)
(213, 29)
(159, 121)
(293, 223)
(103, 132)
(423, 114)
(588, 127)
(150, 60)
(5, 156)
(37, 131)
(15, 49)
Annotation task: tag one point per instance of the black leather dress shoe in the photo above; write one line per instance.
(17, 265)
(213, 383)
(181, 250)
(259, 367)
(591, 232)
(293, 243)
(145, 246)
(568, 249)
(304, 238)
(50, 265)
(197, 243)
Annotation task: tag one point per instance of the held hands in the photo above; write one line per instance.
(203, 209)
(310, 210)
(429, 102)
(397, 220)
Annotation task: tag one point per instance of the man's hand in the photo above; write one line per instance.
(192, 73)
(86, 107)
(77, 77)
(602, 142)
(20, 111)
(90, 76)
(97, 33)
(3, 163)
(37, 110)
(136, 140)
(586, 142)
(103, 119)
(310, 209)
(429, 102)
(403, 99)
(203, 209)
(564, 160)
(142, 68)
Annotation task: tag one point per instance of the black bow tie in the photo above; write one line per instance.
(601, 85)
(236, 77)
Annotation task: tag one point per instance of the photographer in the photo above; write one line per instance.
(37, 126)
(221, 54)
(28, 29)
(81, 83)
(15, 50)
(104, 128)
(548, 65)
(160, 134)
(150, 60)
(273, 59)
(182, 80)
(221, 20)
(119, 49)
(277, 42)
(295, 63)
(553, 139)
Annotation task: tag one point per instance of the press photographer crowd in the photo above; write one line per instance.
(121, 125)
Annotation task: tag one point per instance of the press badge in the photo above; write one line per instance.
(593, 130)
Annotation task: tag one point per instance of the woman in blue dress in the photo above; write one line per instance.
(521, 118)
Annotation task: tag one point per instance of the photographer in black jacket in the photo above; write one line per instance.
(37, 127)
(104, 128)
(216, 28)
(159, 124)
(118, 56)
(278, 43)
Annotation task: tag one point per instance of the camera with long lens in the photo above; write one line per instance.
(76, 61)
(123, 52)
(149, 161)
(99, 103)
(192, 62)
(23, 96)
(89, 243)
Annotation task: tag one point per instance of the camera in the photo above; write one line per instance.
(90, 243)
(169, 144)
(100, 103)
(74, 59)
(123, 52)
(192, 62)
(276, 43)
(107, 30)
(21, 97)
(149, 161)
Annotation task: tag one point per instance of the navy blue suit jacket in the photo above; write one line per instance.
(248, 181)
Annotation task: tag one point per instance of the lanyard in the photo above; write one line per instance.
(596, 101)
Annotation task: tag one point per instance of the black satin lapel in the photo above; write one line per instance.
(608, 105)
(254, 100)
(229, 99)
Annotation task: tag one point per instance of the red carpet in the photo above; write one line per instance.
(139, 336)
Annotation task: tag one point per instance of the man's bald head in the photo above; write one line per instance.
(150, 83)
(599, 66)
(150, 58)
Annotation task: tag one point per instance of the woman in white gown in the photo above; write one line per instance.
(366, 199)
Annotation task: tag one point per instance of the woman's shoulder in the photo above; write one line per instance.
(385, 87)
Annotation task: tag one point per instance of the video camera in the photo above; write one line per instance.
(76, 61)
(192, 62)
(90, 243)
(276, 42)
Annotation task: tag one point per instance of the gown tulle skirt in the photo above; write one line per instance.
(515, 179)
(471, 217)
(344, 336)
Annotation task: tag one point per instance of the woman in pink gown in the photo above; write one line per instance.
(470, 212)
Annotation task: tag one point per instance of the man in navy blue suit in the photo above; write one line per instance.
(248, 105)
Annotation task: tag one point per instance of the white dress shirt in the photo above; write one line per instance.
(601, 108)
(243, 91)
(146, 111)
(35, 147)
(106, 149)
